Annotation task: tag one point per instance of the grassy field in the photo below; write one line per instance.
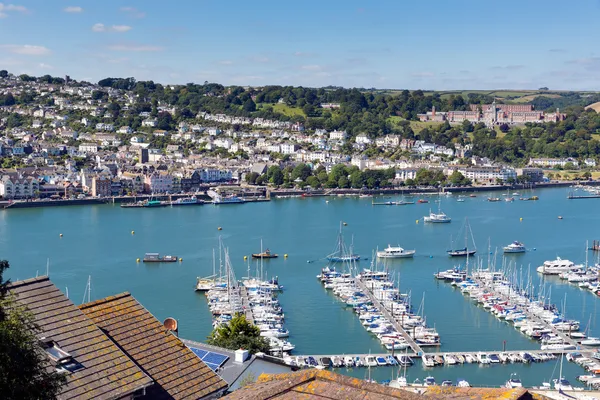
(284, 109)
(595, 107)
(416, 126)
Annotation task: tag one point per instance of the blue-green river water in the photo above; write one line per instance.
(97, 242)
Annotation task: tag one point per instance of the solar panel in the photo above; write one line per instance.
(211, 359)
(215, 358)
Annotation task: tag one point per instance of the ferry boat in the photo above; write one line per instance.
(515, 247)
(265, 254)
(186, 201)
(157, 258)
(231, 199)
(395, 252)
(439, 218)
(145, 204)
(556, 267)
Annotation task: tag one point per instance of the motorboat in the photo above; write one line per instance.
(157, 258)
(482, 358)
(429, 381)
(556, 267)
(265, 254)
(395, 252)
(515, 247)
(514, 382)
(591, 341)
(462, 383)
(439, 218)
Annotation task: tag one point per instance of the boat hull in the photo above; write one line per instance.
(461, 253)
(407, 254)
(265, 255)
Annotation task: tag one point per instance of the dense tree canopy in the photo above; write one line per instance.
(239, 334)
(24, 372)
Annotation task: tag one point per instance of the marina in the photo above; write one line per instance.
(315, 320)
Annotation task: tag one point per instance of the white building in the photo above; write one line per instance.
(552, 162)
(338, 135)
(149, 123)
(288, 148)
(88, 148)
(14, 188)
(488, 174)
(363, 139)
(158, 182)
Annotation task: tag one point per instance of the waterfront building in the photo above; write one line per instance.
(18, 187)
(101, 186)
(532, 174)
(158, 182)
(488, 174)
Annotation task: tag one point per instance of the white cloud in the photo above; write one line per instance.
(73, 9)
(135, 48)
(45, 66)
(26, 49)
(133, 12)
(114, 28)
(226, 62)
(6, 8)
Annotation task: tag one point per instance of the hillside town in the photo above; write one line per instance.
(71, 139)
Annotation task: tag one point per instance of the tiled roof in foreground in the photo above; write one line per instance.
(178, 373)
(106, 373)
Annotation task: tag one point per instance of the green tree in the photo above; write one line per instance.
(569, 166)
(25, 372)
(343, 182)
(275, 175)
(587, 175)
(3, 73)
(251, 177)
(313, 181)
(239, 334)
(249, 105)
(456, 178)
(301, 171)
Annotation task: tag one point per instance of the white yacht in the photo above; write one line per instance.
(513, 382)
(395, 252)
(515, 247)
(591, 341)
(556, 267)
(439, 218)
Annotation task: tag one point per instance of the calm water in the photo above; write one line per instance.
(97, 241)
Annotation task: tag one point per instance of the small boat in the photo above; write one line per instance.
(591, 341)
(341, 253)
(422, 201)
(515, 247)
(146, 204)
(472, 195)
(429, 381)
(439, 218)
(459, 200)
(465, 251)
(395, 252)
(266, 254)
(514, 382)
(462, 383)
(157, 258)
(493, 199)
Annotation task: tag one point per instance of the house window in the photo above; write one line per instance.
(64, 361)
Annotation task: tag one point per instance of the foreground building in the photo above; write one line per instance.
(114, 348)
(313, 384)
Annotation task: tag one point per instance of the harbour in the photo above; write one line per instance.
(97, 241)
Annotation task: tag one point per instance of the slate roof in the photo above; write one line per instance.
(107, 372)
(178, 373)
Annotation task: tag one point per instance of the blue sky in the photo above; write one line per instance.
(434, 44)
